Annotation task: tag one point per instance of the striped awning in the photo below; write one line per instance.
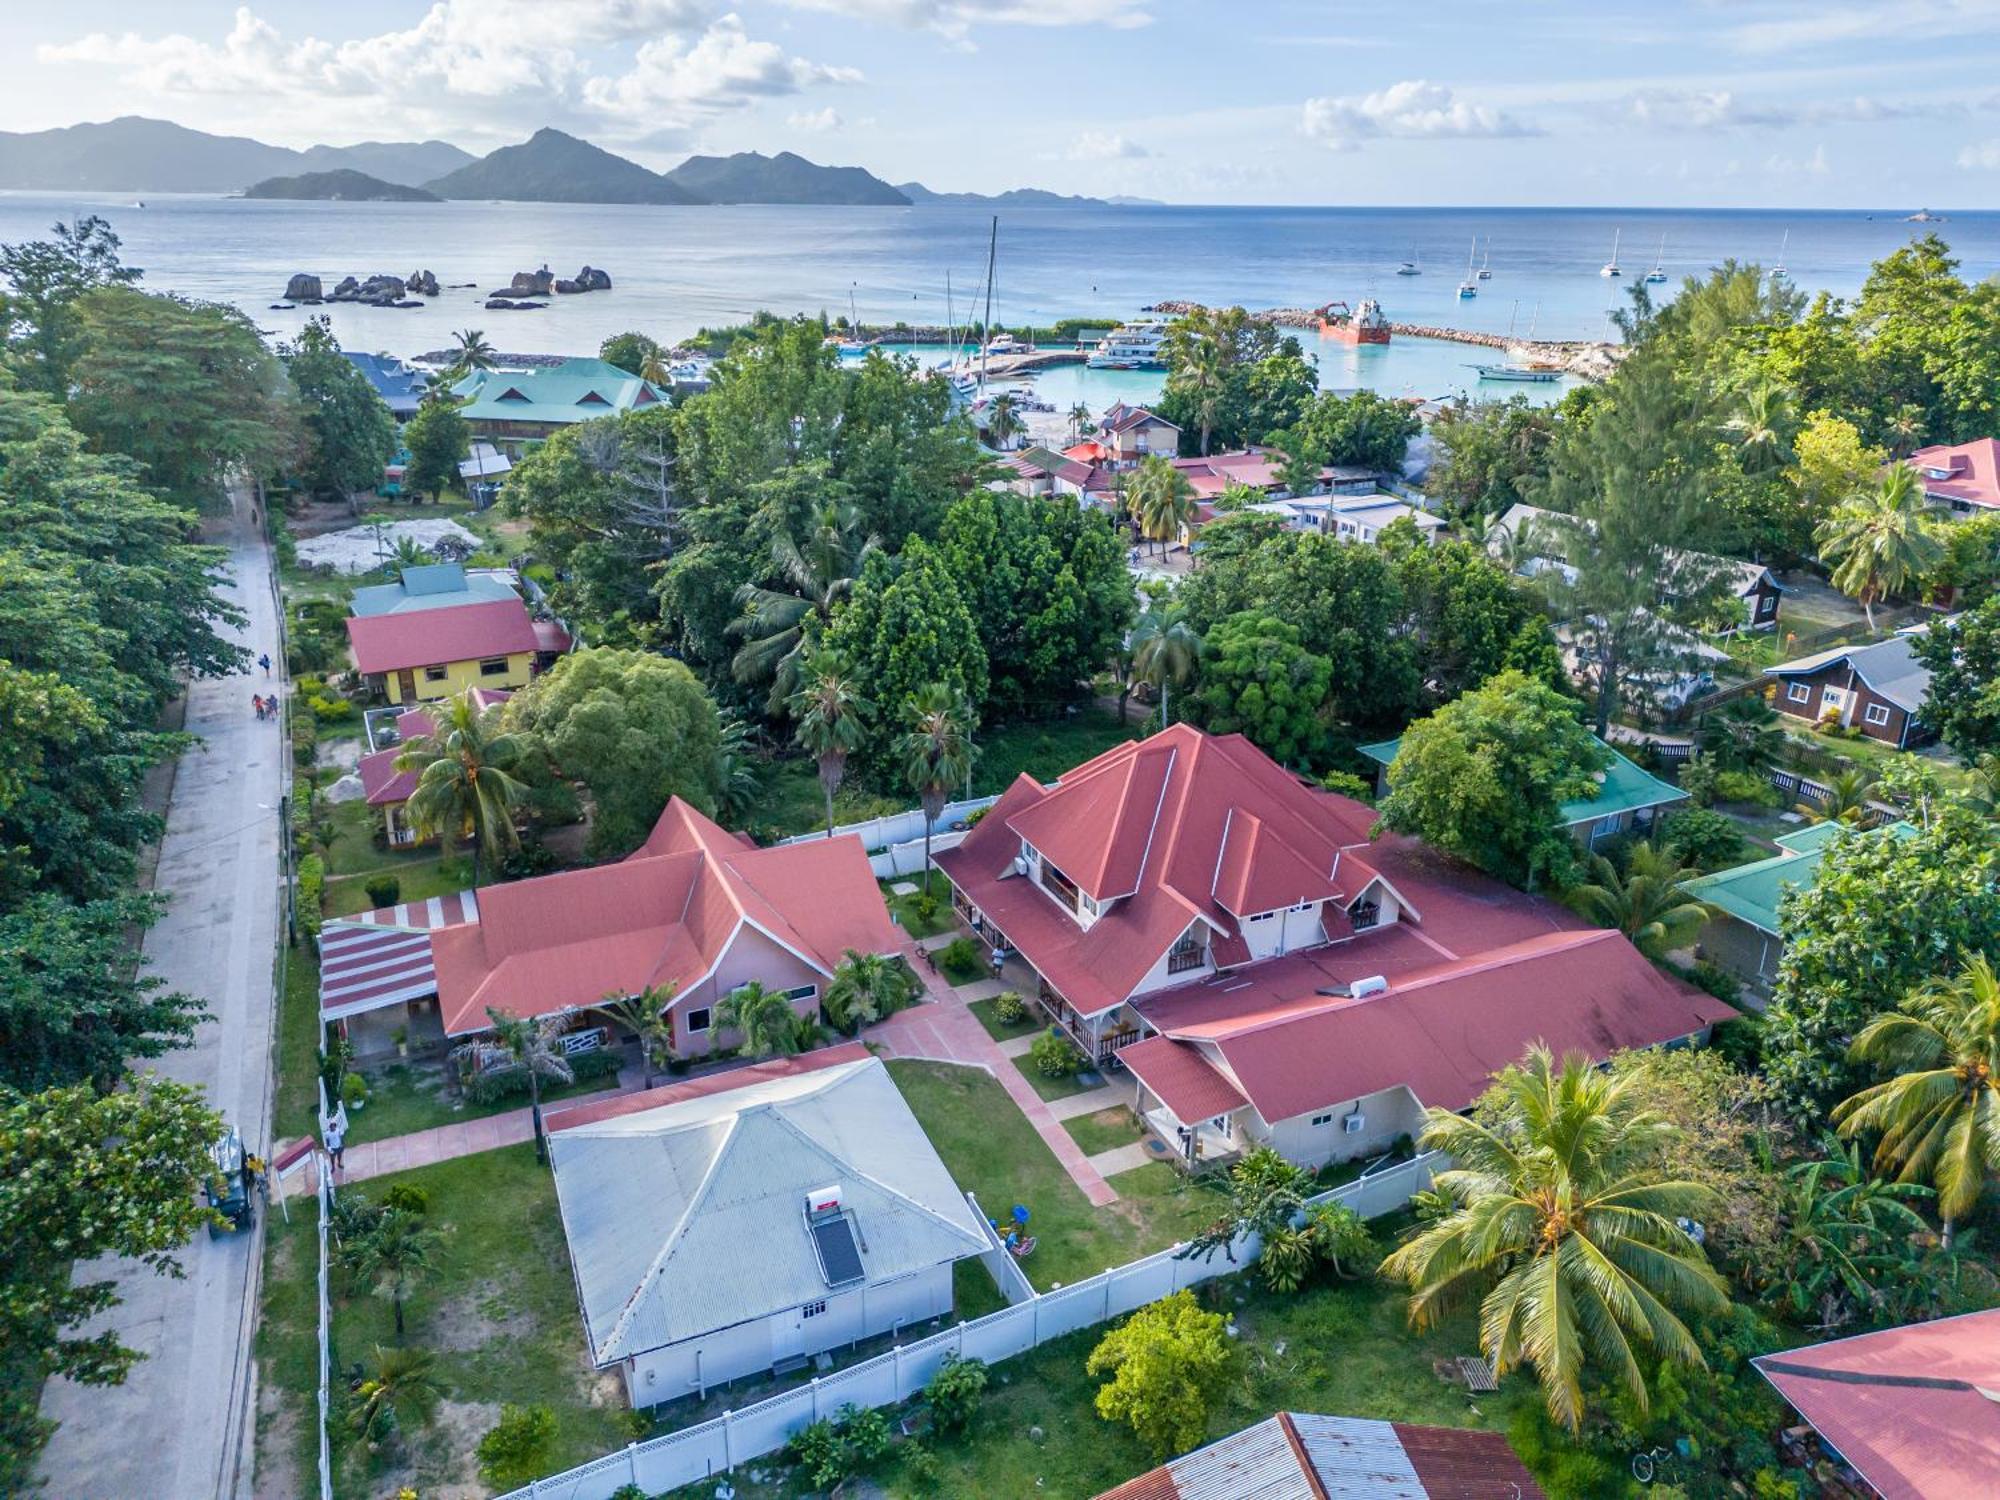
(382, 958)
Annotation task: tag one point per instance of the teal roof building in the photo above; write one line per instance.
(1623, 796)
(528, 405)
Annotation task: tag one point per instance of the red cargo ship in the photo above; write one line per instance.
(1363, 325)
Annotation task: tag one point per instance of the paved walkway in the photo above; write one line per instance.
(1090, 1101)
(1124, 1158)
(945, 1031)
(177, 1426)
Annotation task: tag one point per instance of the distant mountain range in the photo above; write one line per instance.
(137, 154)
(341, 186)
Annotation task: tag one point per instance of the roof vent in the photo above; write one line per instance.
(1374, 984)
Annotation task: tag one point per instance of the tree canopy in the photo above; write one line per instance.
(1259, 681)
(349, 432)
(1962, 702)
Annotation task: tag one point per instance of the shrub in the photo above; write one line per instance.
(520, 1448)
(305, 737)
(383, 890)
(507, 1083)
(330, 710)
(1286, 1258)
(528, 858)
(1347, 784)
(1009, 1008)
(312, 889)
(354, 1091)
(1745, 786)
(1697, 779)
(1055, 1056)
(954, 1392)
(1167, 1363)
(820, 1453)
(1704, 837)
(864, 1436)
(924, 907)
(961, 957)
(407, 1197)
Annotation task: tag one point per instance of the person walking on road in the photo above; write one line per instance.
(264, 661)
(336, 1145)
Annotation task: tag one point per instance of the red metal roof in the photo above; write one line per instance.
(663, 916)
(712, 1083)
(1972, 470)
(381, 781)
(1182, 1079)
(432, 637)
(1912, 1409)
(382, 958)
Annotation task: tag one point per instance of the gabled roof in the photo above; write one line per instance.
(1890, 669)
(664, 916)
(432, 586)
(1625, 788)
(1148, 825)
(1303, 1456)
(1442, 1032)
(1752, 893)
(1912, 1409)
(383, 957)
(432, 637)
(576, 390)
(1119, 417)
(691, 1216)
(400, 386)
(1972, 471)
(1745, 577)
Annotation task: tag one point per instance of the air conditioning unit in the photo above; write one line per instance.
(1355, 1123)
(826, 1200)
(1020, 864)
(1374, 984)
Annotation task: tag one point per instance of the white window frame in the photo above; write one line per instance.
(813, 1309)
(802, 992)
(1261, 916)
(707, 1012)
(1325, 1119)
(1799, 692)
(1877, 713)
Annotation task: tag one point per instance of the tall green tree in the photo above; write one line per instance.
(439, 440)
(1881, 540)
(1259, 681)
(1166, 649)
(937, 753)
(831, 719)
(45, 279)
(1490, 456)
(1362, 430)
(1566, 1231)
(1169, 1363)
(528, 1047)
(468, 783)
(644, 1015)
(817, 572)
(1846, 1237)
(1232, 380)
(631, 352)
(1160, 499)
(1962, 701)
(350, 435)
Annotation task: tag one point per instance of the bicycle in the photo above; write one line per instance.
(1661, 1463)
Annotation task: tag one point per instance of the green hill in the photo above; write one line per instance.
(551, 167)
(340, 186)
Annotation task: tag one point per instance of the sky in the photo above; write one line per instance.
(1735, 103)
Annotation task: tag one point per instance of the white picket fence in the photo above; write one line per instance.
(907, 827)
(737, 1437)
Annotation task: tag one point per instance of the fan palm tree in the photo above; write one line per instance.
(866, 987)
(1938, 1116)
(1165, 651)
(1880, 540)
(1847, 796)
(1079, 422)
(530, 1045)
(1843, 1234)
(1648, 902)
(1742, 735)
(394, 1254)
(1003, 420)
(765, 1018)
(937, 753)
(1561, 1221)
(1763, 428)
(738, 780)
(402, 1388)
(645, 1016)
(817, 574)
(831, 719)
(466, 782)
(1160, 498)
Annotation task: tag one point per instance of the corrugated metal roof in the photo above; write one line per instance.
(1182, 1079)
(691, 1217)
(432, 637)
(383, 958)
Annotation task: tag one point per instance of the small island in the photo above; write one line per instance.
(343, 186)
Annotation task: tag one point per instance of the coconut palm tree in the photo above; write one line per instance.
(1647, 902)
(937, 753)
(1763, 428)
(1847, 796)
(393, 1255)
(466, 782)
(1003, 420)
(1165, 651)
(1563, 1227)
(472, 353)
(1079, 422)
(817, 573)
(1160, 498)
(529, 1045)
(654, 369)
(1843, 1234)
(1938, 1116)
(1880, 540)
(402, 1388)
(1906, 430)
(738, 781)
(1200, 349)
(765, 1018)
(1742, 735)
(831, 719)
(865, 988)
(645, 1016)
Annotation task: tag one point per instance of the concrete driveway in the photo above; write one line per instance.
(177, 1426)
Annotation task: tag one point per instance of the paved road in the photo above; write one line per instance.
(176, 1428)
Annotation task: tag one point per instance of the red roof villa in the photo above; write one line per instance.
(1962, 476)
(1192, 912)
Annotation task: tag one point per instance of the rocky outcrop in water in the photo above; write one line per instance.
(303, 288)
(422, 282)
(510, 304)
(589, 279)
(376, 291)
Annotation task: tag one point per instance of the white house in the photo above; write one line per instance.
(751, 1219)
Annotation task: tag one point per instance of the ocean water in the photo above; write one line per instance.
(677, 269)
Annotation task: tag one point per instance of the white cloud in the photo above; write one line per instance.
(1099, 145)
(1412, 109)
(1722, 109)
(954, 18)
(1816, 165)
(1981, 156)
(482, 66)
(815, 119)
(1809, 25)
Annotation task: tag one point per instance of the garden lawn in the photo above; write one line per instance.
(1106, 1130)
(405, 1097)
(1044, 751)
(296, 1107)
(791, 801)
(1052, 1088)
(499, 1312)
(995, 1154)
(999, 1030)
(903, 908)
(973, 1291)
(355, 850)
(287, 1351)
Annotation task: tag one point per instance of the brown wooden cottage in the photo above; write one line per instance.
(1876, 689)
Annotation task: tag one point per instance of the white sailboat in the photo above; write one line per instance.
(1469, 287)
(1485, 274)
(1410, 266)
(1655, 276)
(1783, 245)
(1610, 267)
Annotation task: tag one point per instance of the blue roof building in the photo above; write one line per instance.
(400, 386)
(430, 586)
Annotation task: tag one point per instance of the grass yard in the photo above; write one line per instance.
(903, 908)
(973, 1291)
(999, 1030)
(996, 1155)
(296, 1106)
(1106, 1130)
(1052, 1088)
(499, 1312)
(792, 802)
(287, 1351)
(1044, 751)
(410, 1096)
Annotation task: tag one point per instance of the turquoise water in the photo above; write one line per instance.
(677, 269)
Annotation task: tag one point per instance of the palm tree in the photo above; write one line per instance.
(402, 1388)
(466, 784)
(1200, 349)
(1003, 420)
(738, 780)
(392, 1255)
(1763, 428)
(937, 753)
(866, 987)
(645, 1016)
(765, 1017)
(472, 353)
(1079, 422)
(1742, 735)
(654, 370)
(1847, 796)
(1647, 903)
(1880, 540)
(818, 574)
(1561, 1219)
(411, 553)
(1938, 1116)
(1165, 650)
(1161, 498)
(1843, 1234)
(528, 1044)
(831, 719)
(1906, 430)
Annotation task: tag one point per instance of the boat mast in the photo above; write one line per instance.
(986, 332)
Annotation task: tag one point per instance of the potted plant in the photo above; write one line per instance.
(401, 1037)
(354, 1092)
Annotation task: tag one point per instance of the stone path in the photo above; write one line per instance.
(1125, 1158)
(1090, 1101)
(945, 1031)
(1018, 1046)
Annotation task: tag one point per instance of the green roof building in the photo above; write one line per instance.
(1627, 798)
(518, 408)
